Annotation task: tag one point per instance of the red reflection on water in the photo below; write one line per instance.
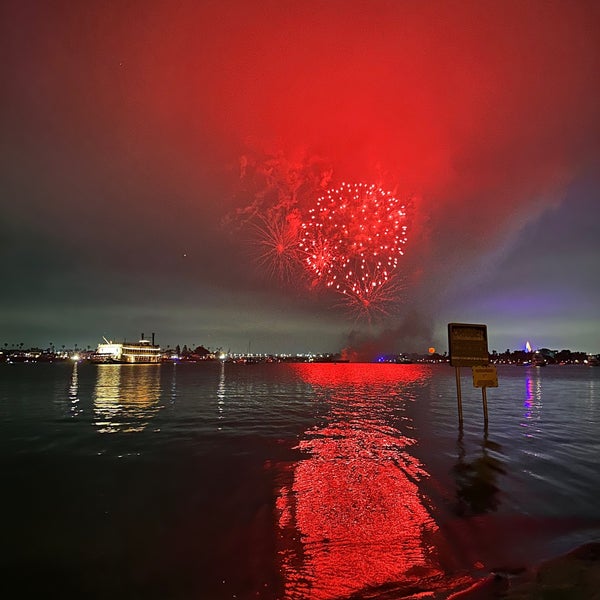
(375, 374)
(353, 518)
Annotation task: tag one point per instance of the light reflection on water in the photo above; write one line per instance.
(74, 406)
(126, 397)
(532, 404)
(221, 394)
(356, 515)
(292, 481)
(354, 500)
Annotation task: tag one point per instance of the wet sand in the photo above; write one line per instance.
(575, 575)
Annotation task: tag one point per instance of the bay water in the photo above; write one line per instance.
(289, 481)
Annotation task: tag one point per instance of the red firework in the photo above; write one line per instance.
(374, 303)
(278, 243)
(353, 239)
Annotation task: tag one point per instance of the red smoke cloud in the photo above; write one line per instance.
(483, 110)
(431, 95)
(473, 106)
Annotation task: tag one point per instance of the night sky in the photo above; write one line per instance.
(136, 137)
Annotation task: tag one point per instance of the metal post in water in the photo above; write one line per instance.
(485, 410)
(459, 397)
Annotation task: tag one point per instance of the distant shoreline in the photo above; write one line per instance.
(536, 358)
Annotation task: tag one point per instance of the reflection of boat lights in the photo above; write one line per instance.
(355, 500)
(126, 397)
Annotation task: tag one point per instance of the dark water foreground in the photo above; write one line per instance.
(308, 481)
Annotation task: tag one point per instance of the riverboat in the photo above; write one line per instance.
(142, 352)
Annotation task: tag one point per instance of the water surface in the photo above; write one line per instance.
(314, 481)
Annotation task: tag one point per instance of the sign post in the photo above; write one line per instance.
(458, 397)
(467, 343)
(485, 377)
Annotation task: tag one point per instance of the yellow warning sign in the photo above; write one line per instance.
(485, 376)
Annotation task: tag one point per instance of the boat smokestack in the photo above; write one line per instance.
(142, 336)
(153, 338)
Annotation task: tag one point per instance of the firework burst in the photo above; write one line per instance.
(376, 303)
(352, 242)
(277, 242)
